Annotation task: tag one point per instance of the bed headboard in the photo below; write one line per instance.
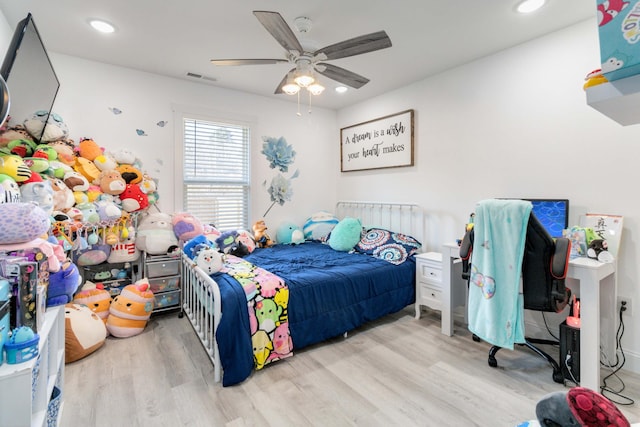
(407, 218)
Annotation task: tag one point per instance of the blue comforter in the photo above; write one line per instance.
(330, 293)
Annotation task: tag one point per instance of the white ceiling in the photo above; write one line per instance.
(172, 37)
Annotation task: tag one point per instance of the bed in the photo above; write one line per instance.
(329, 292)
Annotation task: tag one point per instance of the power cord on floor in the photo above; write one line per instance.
(616, 367)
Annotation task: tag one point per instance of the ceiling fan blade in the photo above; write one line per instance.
(278, 28)
(278, 90)
(356, 46)
(222, 62)
(341, 75)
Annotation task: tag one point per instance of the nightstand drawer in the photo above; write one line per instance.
(427, 272)
(162, 268)
(430, 296)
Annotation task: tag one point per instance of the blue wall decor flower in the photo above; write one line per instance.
(279, 154)
(280, 190)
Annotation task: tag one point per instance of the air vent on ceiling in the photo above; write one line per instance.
(200, 76)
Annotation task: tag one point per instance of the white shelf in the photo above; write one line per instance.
(619, 100)
(20, 404)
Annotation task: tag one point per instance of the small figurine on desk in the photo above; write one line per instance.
(599, 249)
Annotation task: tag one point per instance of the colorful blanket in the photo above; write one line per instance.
(267, 301)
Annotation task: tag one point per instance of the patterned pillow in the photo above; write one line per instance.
(319, 225)
(387, 245)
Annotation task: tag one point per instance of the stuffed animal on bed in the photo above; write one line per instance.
(186, 226)
(263, 240)
(289, 234)
(209, 260)
(130, 310)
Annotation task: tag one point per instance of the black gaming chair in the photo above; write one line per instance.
(544, 268)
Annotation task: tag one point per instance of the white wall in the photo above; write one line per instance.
(515, 124)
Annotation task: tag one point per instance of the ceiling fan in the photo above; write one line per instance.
(307, 61)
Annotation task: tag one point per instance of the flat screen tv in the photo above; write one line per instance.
(553, 214)
(30, 77)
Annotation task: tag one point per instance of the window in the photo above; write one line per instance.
(216, 172)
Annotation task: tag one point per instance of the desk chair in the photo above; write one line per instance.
(544, 267)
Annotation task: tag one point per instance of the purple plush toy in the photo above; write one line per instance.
(63, 284)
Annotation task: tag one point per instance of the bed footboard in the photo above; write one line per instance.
(201, 303)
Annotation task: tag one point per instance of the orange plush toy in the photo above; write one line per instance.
(260, 234)
(96, 298)
(130, 311)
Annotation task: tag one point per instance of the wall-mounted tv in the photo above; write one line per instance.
(30, 77)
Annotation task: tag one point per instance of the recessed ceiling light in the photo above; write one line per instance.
(102, 26)
(528, 6)
(341, 89)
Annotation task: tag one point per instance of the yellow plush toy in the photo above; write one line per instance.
(130, 311)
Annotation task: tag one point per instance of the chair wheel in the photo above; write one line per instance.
(558, 377)
(492, 362)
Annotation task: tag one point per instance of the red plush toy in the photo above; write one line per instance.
(133, 199)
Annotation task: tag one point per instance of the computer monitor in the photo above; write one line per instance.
(553, 214)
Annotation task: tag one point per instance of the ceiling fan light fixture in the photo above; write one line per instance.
(290, 87)
(315, 88)
(303, 79)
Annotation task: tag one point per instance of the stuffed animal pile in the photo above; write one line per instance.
(78, 185)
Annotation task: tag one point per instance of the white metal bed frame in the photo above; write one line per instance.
(201, 295)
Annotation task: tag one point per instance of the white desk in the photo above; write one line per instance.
(597, 291)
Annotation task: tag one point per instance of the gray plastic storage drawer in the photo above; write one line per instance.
(162, 268)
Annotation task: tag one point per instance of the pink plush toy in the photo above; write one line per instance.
(186, 226)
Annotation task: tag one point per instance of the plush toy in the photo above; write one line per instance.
(105, 162)
(46, 152)
(130, 173)
(94, 296)
(37, 164)
(40, 193)
(263, 240)
(599, 249)
(65, 152)
(133, 199)
(87, 169)
(130, 311)
(75, 181)
(89, 213)
(108, 210)
(125, 250)
(111, 182)
(84, 332)
(193, 246)
(346, 234)
(15, 168)
(57, 169)
(246, 238)
(155, 234)
(319, 225)
(63, 284)
(229, 243)
(10, 192)
(22, 222)
(22, 147)
(579, 406)
(62, 195)
(54, 127)
(124, 157)
(88, 149)
(289, 233)
(12, 133)
(93, 193)
(186, 226)
(209, 260)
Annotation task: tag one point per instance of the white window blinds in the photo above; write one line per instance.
(216, 173)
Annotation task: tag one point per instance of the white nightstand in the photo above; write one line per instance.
(428, 281)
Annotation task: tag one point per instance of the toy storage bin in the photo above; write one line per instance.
(21, 352)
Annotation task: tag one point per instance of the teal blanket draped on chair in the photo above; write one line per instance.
(496, 308)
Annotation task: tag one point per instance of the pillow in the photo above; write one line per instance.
(346, 234)
(319, 225)
(84, 332)
(387, 245)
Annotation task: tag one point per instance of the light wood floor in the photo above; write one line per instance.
(396, 371)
